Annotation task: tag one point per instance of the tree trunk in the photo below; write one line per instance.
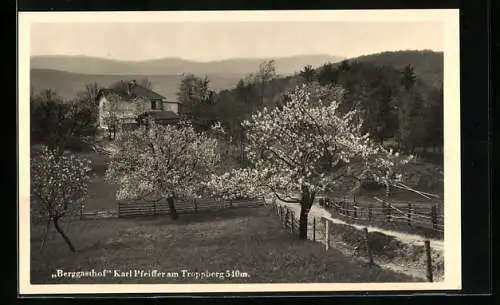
(262, 95)
(305, 206)
(44, 239)
(304, 212)
(171, 207)
(66, 238)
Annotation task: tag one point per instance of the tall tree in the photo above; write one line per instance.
(145, 82)
(56, 123)
(89, 98)
(412, 120)
(58, 182)
(308, 74)
(435, 136)
(304, 148)
(408, 79)
(111, 115)
(267, 72)
(379, 116)
(327, 74)
(162, 163)
(195, 93)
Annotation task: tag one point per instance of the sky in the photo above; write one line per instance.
(206, 41)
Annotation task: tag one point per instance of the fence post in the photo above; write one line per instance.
(409, 214)
(291, 223)
(195, 206)
(82, 207)
(327, 234)
(355, 205)
(389, 207)
(314, 228)
(434, 217)
(370, 212)
(367, 244)
(286, 218)
(427, 244)
(230, 203)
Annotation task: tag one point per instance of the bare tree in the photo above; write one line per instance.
(111, 115)
(145, 82)
(266, 73)
(308, 74)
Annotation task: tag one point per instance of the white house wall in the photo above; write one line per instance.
(127, 110)
(124, 110)
(168, 106)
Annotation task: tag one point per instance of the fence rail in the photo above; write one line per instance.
(411, 215)
(131, 209)
(319, 229)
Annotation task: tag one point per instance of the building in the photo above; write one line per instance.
(131, 103)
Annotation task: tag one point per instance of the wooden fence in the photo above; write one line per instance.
(135, 208)
(421, 215)
(319, 229)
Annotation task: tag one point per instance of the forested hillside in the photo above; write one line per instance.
(428, 65)
(397, 106)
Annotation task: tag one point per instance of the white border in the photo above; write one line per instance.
(452, 236)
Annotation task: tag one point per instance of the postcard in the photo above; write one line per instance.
(239, 151)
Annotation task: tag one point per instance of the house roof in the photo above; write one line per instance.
(134, 90)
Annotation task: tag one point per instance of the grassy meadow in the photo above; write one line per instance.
(250, 241)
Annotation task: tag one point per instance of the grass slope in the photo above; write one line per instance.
(250, 240)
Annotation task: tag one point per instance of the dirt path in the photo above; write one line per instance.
(396, 265)
(317, 211)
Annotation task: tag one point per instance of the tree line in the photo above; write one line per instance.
(396, 107)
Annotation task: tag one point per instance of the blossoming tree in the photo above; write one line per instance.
(158, 162)
(302, 148)
(57, 182)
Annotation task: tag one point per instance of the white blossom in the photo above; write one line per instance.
(305, 145)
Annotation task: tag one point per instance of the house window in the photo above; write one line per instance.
(153, 105)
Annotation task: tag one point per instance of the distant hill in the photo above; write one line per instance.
(172, 66)
(428, 65)
(68, 84)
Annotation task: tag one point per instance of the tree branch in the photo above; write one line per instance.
(293, 200)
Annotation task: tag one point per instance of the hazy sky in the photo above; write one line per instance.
(213, 41)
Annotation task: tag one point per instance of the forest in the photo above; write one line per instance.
(397, 107)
